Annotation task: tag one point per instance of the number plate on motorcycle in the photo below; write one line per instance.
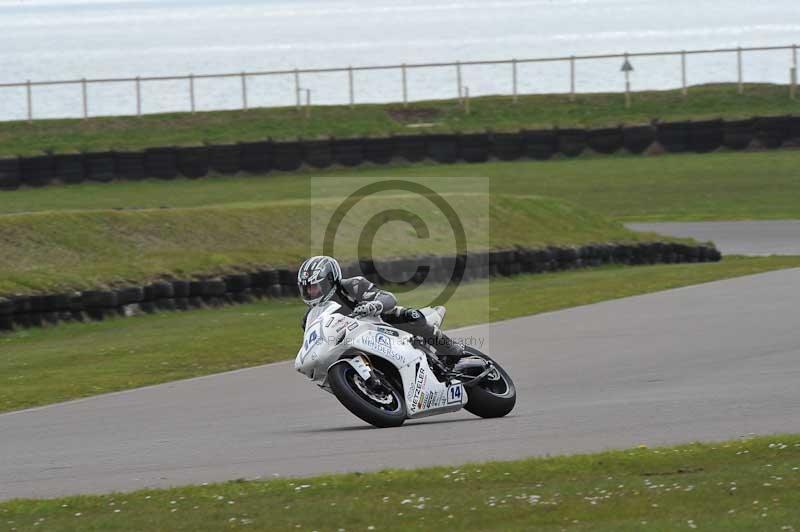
(455, 394)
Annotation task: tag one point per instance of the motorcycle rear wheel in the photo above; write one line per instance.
(383, 408)
(495, 395)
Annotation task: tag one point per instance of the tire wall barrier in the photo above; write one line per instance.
(22, 311)
(260, 157)
(9, 173)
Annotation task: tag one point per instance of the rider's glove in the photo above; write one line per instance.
(368, 309)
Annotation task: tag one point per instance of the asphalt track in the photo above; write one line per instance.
(773, 237)
(715, 361)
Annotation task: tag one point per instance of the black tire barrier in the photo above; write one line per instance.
(474, 148)
(130, 165)
(366, 267)
(37, 171)
(161, 163)
(256, 157)
(540, 145)
(738, 134)
(605, 140)
(442, 148)
(181, 289)
(571, 142)
(126, 296)
(318, 153)
(100, 166)
(287, 156)
(37, 304)
(348, 152)
(379, 150)
(287, 277)
(213, 288)
(289, 290)
(237, 283)
(390, 272)
(38, 310)
(9, 173)
(636, 139)
(412, 148)
(195, 288)
(705, 136)
(7, 308)
(507, 146)
(163, 290)
(99, 299)
(193, 161)
(350, 269)
(794, 131)
(264, 279)
(149, 292)
(57, 302)
(772, 131)
(263, 156)
(674, 136)
(69, 168)
(225, 158)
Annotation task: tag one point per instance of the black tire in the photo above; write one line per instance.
(486, 399)
(344, 384)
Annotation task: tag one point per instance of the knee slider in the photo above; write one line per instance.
(413, 316)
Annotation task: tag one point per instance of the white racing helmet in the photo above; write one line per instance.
(318, 279)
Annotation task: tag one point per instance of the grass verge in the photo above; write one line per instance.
(751, 484)
(490, 112)
(717, 186)
(41, 366)
(51, 251)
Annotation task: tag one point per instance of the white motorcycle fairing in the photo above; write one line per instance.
(332, 338)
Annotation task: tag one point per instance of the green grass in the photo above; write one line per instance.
(718, 186)
(751, 484)
(49, 251)
(40, 366)
(491, 112)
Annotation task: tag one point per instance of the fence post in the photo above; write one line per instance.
(572, 78)
(685, 90)
(458, 79)
(405, 85)
(191, 92)
(466, 100)
(308, 103)
(514, 79)
(793, 88)
(739, 68)
(627, 82)
(350, 83)
(138, 96)
(244, 91)
(297, 88)
(30, 101)
(85, 98)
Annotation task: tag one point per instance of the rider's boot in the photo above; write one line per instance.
(448, 349)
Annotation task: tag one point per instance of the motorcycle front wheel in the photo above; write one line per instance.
(495, 394)
(382, 406)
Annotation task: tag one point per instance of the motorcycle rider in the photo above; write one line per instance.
(320, 279)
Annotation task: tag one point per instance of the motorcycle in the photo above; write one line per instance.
(384, 375)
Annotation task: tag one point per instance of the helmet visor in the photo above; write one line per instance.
(313, 293)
